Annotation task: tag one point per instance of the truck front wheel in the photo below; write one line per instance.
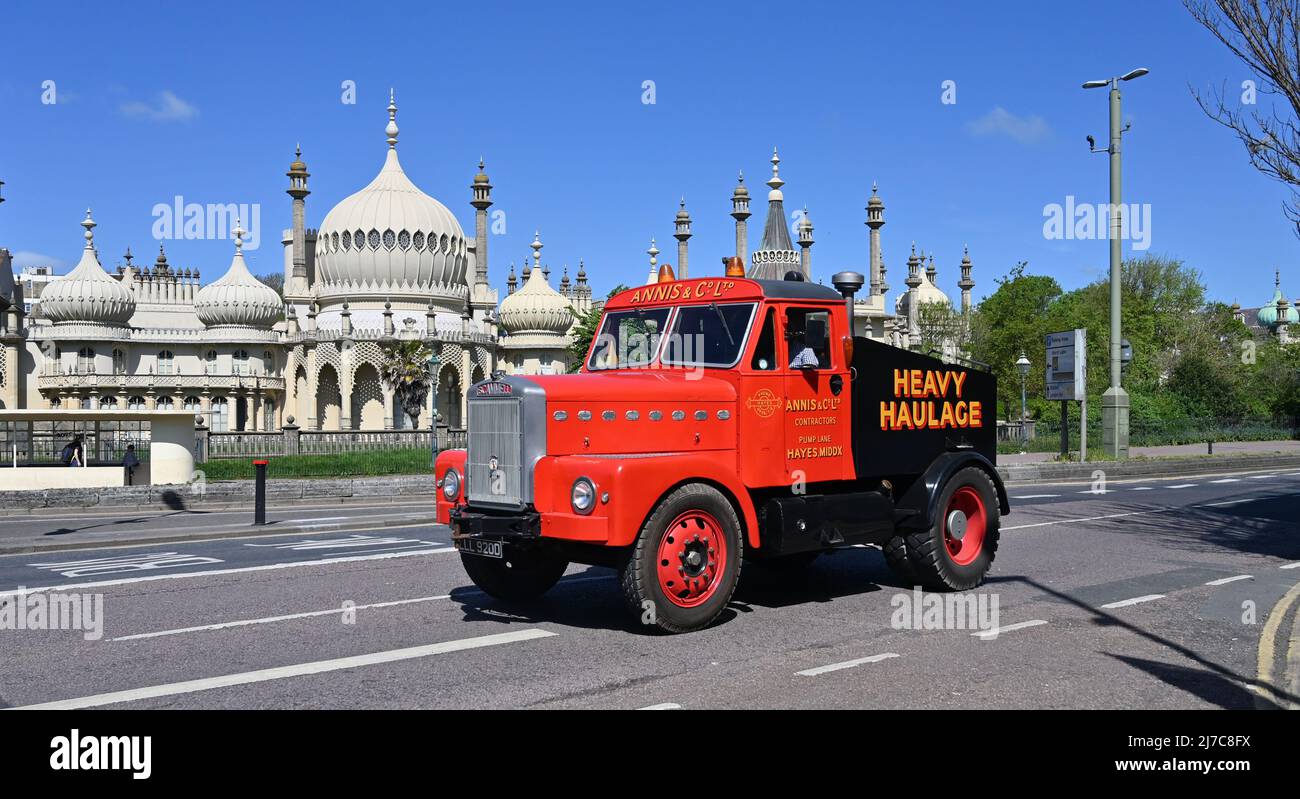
(956, 551)
(686, 560)
(520, 575)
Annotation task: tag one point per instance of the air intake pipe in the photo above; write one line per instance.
(848, 284)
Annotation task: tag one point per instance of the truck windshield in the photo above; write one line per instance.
(708, 335)
(628, 339)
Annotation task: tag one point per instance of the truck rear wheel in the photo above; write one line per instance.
(520, 575)
(895, 550)
(956, 551)
(686, 560)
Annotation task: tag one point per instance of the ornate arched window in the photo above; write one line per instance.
(220, 415)
(119, 362)
(166, 404)
(166, 363)
(137, 403)
(193, 404)
(241, 362)
(86, 360)
(108, 403)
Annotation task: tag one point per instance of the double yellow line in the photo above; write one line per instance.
(1287, 686)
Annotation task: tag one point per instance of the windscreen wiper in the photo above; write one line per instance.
(725, 327)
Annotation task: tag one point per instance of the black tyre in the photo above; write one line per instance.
(955, 553)
(895, 550)
(520, 575)
(684, 565)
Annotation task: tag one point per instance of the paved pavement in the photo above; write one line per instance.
(1171, 451)
(1174, 593)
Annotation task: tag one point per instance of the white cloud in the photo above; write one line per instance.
(1001, 122)
(169, 108)
(24, 258)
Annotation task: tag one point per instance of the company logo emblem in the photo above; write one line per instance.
(493, 463)
(494, 389)
(764, 403)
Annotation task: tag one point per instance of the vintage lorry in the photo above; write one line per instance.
(724, 419)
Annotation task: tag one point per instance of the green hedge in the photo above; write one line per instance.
(417, 460)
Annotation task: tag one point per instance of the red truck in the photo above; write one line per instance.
(721, 420)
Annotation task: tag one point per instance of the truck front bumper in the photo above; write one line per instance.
(516, 526)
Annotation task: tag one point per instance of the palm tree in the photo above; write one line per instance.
(408, 373)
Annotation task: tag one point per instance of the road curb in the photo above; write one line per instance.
(1030, 473)
(30, 546)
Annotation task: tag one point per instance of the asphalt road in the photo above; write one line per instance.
(1176, 593)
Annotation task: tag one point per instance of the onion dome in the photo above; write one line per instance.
(1278, 311)
(238, 298)
(391, 239)
(88, 293)
(536, 308)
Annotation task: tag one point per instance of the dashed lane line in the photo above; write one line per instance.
(1226, 580)
(1184, 485)
(848, 664)
(1037, 496)
(1227, 480)
(1124, 603)
(663, 706)
(220, 572)
(287, 617)
(296, 670)
(990, 635)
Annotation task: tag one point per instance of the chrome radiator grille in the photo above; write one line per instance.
(495, 433)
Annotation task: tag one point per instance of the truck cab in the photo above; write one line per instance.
(722, 420)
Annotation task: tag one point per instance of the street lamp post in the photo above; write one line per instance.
(1114, 403)
(1022, 366)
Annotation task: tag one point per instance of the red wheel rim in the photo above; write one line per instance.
(964, 540)
(692, 557)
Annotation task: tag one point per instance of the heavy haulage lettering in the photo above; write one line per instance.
(929, 408)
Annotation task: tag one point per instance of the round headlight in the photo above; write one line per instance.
(451, 484)
(583, 497)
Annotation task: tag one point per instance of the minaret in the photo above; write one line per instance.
(913, 297)
(965, 284)
(682, 234)
(482, 201)
(805, 244)
(296, 284)
(653, 252)
(564, 284)
(740, 212)
(884, 286)
(537, 254)
(875, 221)
(512, 282)
(931, 272)
(775, 254)
(583, 290)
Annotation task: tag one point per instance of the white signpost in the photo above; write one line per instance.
(1067, 381)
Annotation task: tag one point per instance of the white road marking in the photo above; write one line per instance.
(219, 572)
(1141, 488)
(347, 542)
(989, 635)
(1226, 580)
(1037, 496)
(1295, 565)
(1123, 603)
(1184, 485)
(288, 617)
(848, 664)
(298, 670)
(1261, 476)
(1086, 519)
(1094, 491)
(1227, 502)
(663, 706)
(1227, 480)
(144, 561)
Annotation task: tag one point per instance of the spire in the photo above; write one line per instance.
(512, 282)
(682, 232)
(930, 271)
(391, 130)
(805, 244)
(537, 251)
(653, 252)
(89, 225)
(775, 181)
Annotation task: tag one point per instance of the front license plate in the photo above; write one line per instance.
(475, 546)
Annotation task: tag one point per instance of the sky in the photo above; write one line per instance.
(152, 101)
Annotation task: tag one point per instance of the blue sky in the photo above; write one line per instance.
(156, 100)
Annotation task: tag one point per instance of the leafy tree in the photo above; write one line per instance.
(1265, 36)
(942, 327)
(1011, 321)
(275, 280)
(407, 373)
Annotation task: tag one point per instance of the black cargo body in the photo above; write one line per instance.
(910, 440)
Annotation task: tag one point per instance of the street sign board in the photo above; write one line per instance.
(1067, 365)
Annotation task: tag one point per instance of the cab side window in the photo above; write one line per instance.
(765, 350)
(807, 336)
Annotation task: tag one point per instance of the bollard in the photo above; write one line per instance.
(1209, 447)
(259, 495)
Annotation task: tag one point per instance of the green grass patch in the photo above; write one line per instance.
(417, 460)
